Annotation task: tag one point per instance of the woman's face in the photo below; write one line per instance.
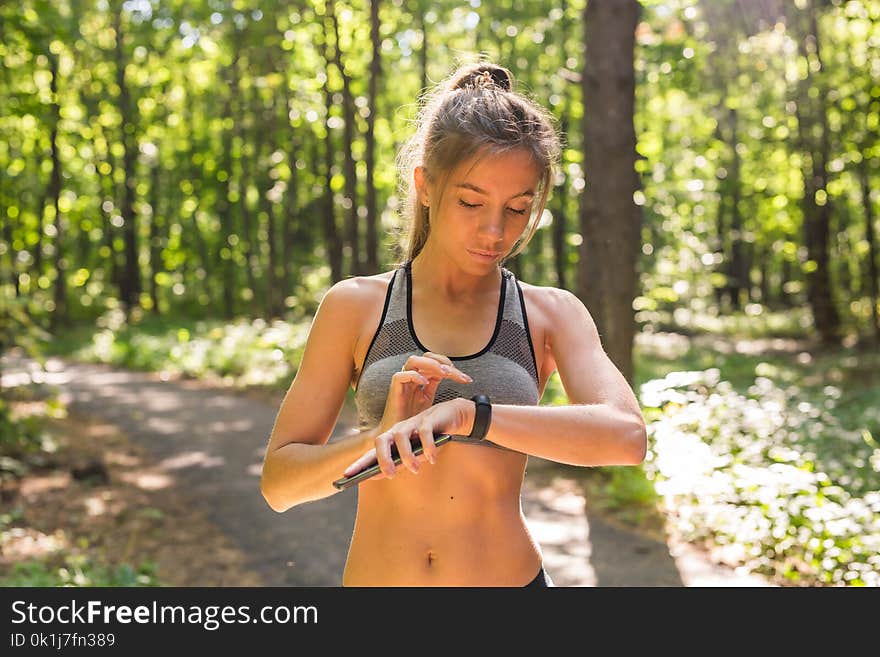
(484, 210)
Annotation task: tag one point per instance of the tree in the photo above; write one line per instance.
(610, 220)
(814, 138)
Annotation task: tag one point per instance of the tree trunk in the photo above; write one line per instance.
(13, 252)
(332, 243)
(371, 263)
(292, 218)
(736, 276)
(764, 258)
(246, 169)
(38, 246)
(130, 281)
(610, 220)
(350, 203)
(721, 291)
(812, 118)
(223, 255)
(843, 256)
(199, 244)
(106, 187)
(59, 316)
(871, 238)
(560, 219)
(423, 52)
(274, 302)
(156, 237)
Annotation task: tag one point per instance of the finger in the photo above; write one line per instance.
(362, 463)
(426, 435)
(404, 448)
(411, 376)
(438, 357)
(383, 455)
(438, 366)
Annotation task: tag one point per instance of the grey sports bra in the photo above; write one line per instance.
(505, 369)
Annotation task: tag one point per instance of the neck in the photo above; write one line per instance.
(450, 280)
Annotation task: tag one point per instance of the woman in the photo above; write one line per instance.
(419, 343)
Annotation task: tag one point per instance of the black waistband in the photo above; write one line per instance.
(541, 580)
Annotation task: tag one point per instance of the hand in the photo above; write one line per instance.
(412, 389)
(455, 416)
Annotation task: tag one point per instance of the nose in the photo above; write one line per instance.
(492, 224)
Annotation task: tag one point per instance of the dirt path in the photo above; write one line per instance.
(209, 445)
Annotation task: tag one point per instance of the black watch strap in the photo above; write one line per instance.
(482, 418)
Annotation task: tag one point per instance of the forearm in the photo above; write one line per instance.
(580, 434)
(299, 472)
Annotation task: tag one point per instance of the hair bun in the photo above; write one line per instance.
(484, 76)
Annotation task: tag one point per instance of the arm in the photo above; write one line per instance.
(602, 426)
(299, 466)
(300, 472)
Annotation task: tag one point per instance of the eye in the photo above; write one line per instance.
(465, 204)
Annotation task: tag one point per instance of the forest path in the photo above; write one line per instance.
(210, 442)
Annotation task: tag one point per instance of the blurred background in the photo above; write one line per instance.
(181, 182)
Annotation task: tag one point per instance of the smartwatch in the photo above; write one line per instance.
(482, 418)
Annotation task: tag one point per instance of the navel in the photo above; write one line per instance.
(432, 557)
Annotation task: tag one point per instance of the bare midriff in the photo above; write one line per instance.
(456, 523)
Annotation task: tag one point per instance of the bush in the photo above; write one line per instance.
(771, 479)
(241, 353)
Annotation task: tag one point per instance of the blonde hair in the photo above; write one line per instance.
(474, 112)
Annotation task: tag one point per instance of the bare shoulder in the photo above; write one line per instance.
(358, 292)
(348, 304)
(543, 295)
(557, 309)
(359, 301)
(546, 300)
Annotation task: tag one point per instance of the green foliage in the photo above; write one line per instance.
(756, 322)
(627, 492)
(18, 435)
(773, 479)
(80, 571)
(222, 143)
(230, 188)
(776, 465)
(242, 353)
(24, 440)
(19, 328)
(628, 487)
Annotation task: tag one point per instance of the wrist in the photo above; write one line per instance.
(468, 414)
(482, 415)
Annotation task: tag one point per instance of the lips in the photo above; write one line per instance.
(486, 254)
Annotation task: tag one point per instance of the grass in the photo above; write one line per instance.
(79, 571)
